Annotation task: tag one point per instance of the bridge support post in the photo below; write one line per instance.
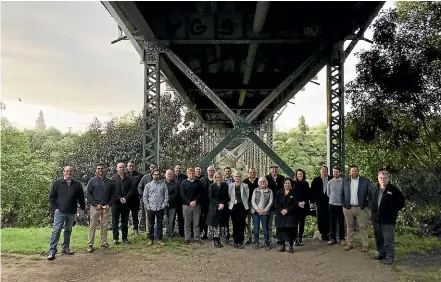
(151, 111)
(335, 105)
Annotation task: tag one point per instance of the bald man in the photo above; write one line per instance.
(124, 190)
(64, 196)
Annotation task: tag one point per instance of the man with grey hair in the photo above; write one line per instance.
(155, 200)
(387, 200)
(64, 196)
(173, 188)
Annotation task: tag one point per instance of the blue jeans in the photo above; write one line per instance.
(61, 220)
(256, 220)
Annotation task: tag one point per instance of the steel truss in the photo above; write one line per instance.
(335, 105)
(151, 111)
(242, 126)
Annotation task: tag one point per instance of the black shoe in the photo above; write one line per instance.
(300, 243)
(282, 248)
(331, 242)
(205, 237)
(267, 246)
(249, 241)
(388, 261)
(297, 243)
(186, 242)
(291, 249)
(236, 246)
(115, 242)
(241, 246)
(227, 241)
(51, 256)
(379, 257)
(126, 241)
(68, 252)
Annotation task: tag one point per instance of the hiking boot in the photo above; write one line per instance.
(90, 248)
(105, 246)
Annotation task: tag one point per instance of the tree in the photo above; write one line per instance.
(40, 124)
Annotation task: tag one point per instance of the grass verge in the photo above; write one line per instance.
(33, 241)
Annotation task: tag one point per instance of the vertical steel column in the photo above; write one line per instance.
(335, 105)
(269, 138)
(151, 109)
(262, 155)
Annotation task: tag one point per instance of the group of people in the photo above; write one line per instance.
(204, 205)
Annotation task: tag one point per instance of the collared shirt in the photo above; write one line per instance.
(325, 185)
(354, 191)
(155, 195)
(380, 196)
(334, 190)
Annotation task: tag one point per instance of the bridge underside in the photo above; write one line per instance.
(236, 64)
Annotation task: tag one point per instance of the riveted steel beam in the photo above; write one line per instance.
(224, 143)
(335, 105)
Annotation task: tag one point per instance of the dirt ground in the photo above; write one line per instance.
(313, 262)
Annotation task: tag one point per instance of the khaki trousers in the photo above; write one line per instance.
(362, 220)
(96, 215)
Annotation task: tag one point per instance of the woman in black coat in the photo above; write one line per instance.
(217, 217)
(285, 203)
(302, 192)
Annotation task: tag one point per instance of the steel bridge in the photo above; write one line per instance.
(237, 64)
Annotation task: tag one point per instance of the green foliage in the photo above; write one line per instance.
(303, 147)
(25, 180)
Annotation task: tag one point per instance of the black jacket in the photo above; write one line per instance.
(275, 186)
(191, 191)
(100, 191)
(136, 176)
(124, 188)
(392, 202)
(251, 187)
(65, 197)
(302, 194)
(317, 194)
(288, 202)
(205, 201)
(174, 189)
(218, 195)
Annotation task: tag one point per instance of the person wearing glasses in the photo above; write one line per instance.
(99, 196)
(144, 181)
(155, 200)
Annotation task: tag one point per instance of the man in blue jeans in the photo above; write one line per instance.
(64, 196)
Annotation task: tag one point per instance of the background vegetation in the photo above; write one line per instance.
(395, 124)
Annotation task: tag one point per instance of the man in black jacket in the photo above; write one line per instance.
(319, 196)
(191, 189)
(275, 183)
(205, 201)
(386, 201)
(124, 190)
(180, 177)
(135, 201)
(173, 187)
(64, 196)
(99, 195)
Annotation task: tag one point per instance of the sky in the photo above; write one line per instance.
(57, 57)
